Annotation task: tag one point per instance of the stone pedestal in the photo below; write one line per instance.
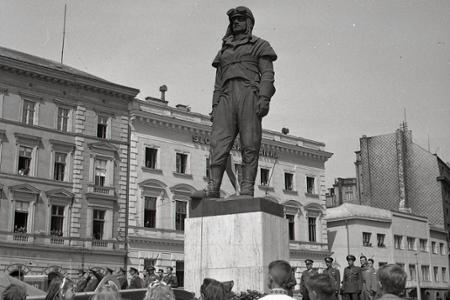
(234, 240)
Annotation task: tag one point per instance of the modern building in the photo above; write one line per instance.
(344, 190)
(169, 160)
(63, 167)
(387, 236)
(395, 173)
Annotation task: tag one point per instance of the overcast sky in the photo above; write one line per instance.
(345, 68)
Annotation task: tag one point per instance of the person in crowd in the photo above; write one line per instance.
(14, 292)
(305, 276)
(321, 287)
(53, 275)
(279, 273)
(109, 272)
(392, 280)
(94, 279)
(292, 282)
(150, 276)
(212, 289)
(109, 291)
(363, 262)
(83, 278)
(370, 283)
(171, 278)
(352, 281)
(122, 278)
(160, 274)
(61, 289)
(135, 281)
(333, 273)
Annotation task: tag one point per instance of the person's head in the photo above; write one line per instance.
(363, 260)
(279, 273)
(212, 289)
(14, 292)
(320, 287)
(370, 262)
(107, 292)
(160, 272)
(53, 275)
(60, 288)
(109, 271)
(392, 279)
(159, 290)
(133, 271)
(169, 270)
(309, 263)
(350, 260)
(241, 20)
(328, 261)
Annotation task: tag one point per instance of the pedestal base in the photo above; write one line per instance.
(234, 240)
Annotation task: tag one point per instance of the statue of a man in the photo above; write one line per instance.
(242, 93)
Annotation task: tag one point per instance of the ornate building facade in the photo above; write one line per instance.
(169, 160)
(63, 166)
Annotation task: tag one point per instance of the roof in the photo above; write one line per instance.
(28, 62)
(350, 211)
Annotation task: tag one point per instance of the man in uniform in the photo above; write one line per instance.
(242, 92)
(135, 281)
(370, 283)
(333, 273)
(170, 278)
(310, 271)
(122, 278)
(352, 281)
(150, 276)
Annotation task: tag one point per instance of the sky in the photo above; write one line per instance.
(345, 68)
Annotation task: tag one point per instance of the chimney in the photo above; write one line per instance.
(163, 90)
(285, 130)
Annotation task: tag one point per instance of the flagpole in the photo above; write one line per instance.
(64, 33)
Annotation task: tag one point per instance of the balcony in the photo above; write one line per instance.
(21, 237)
(102, 190)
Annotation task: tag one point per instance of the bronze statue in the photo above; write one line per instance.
(242, 92)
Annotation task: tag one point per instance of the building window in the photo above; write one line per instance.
(366, 239)
(264, 176)
(423, 245)
(151, 157)
(98, 224)
(444, 274)
(312, 229)
(291, 226)
(436, 274)
(28, 112)
(441, 249)
(398, 241)
(411, 243)
(288, 181)
(102, 126)
(425, 273)
(149, 262)
(412, 272)
(60, 166)
(349, 194)
(238, 172)
(63, 119)
(380, 240)
(433, 247)
(310, 185)
(150, 212)
(180, 214)
(208, 166)
(25, 154)
(100, 172)
(21, 217)
(182, 160)
(57, 220)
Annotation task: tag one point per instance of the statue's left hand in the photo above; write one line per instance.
(263, 106)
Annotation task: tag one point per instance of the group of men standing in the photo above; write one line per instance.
(358, 283)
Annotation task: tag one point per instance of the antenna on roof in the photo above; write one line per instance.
(428, 142)
(404, 114)
(64, 33)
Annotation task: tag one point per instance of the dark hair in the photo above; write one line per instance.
(14, 292)
(212, 289)
(321, 284)
(54, 290)
(370, 260)
(280, 272)
(170, 268)
(362, 256)
(392, 279)
(52, 275)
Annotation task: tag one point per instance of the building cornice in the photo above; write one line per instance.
(156, 241)
(66, 78)
(362, 218)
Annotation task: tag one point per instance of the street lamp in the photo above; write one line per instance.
(419, 295)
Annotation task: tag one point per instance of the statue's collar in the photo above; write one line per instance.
(249, 39)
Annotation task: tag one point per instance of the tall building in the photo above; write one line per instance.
(63, 166)
(344, 190)
(408, 240)
(169, 160)
(395, 173)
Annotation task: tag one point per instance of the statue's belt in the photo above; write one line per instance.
(242, 59)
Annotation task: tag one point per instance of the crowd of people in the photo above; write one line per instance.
(359, 283)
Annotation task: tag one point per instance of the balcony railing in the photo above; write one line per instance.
(20, 237)
(102, 190)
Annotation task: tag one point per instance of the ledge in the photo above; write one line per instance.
(182, 175)
(312, 195)
(289, 192)
(153, 171)
(266, 188)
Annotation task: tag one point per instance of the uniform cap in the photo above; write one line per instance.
(350, 257)
(241, 11)
(328, 259)
(308, 261)
(134, 269)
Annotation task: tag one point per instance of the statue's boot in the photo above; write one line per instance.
(214, 182)
(248, 180)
